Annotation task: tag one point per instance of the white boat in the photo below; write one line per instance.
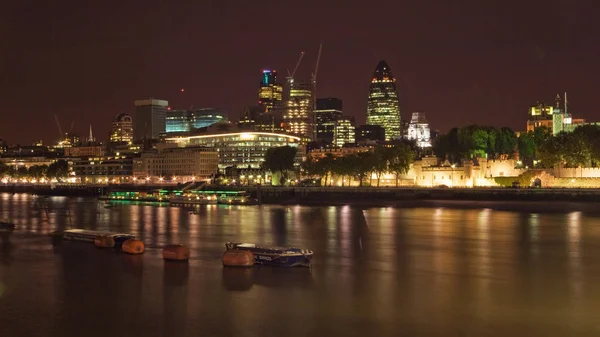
(193, 200)
(89, 235)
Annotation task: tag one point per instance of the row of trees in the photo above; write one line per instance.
(578, 148)
(476, 141)
(394, 158)
(58, 169)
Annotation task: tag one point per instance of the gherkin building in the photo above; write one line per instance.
(382, 107)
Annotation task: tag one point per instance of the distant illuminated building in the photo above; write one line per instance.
(67, 141)
(150, 118)
(270, 92)
(418, 130)
(298, 117)
(382, 106)
(344, 131)
(122, 130)
(188, 120)
(328, 111)
(552, 117)
(257, 119)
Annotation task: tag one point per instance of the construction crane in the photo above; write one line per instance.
(62, 135)
(291, 75)
(314, 94)
(314, 75)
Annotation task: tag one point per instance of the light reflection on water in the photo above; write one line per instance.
(377, 271)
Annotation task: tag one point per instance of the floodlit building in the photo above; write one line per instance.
(328, 112)
(382, 106)
(235, 147)
(122, 130)
(175, 164)
(418, 130)
(344, 131)
(150, 118)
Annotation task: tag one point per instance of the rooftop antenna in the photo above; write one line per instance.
(565, 102)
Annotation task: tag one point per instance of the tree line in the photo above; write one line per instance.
(58, 169)
(537, 148)
(394, 157)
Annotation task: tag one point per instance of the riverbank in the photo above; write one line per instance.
(364, 196)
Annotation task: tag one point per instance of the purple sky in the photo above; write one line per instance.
(479, 62)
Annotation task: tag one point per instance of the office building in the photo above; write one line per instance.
(298, 117)
(370, 134)
(344, 131)
(122, 130)
(418, 130)
(236, 148)
(85, 150)
(103, 169)
(328, 111)
(175, 164)
(150, 118)
(270, 92)
(257, 119)
(382, 106)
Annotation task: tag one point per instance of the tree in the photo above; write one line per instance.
(400, 158)
(38, 171)
(342, 168)
(280, 159)
(58, 169)
(4, 170)
(360, 165)
(380, 161)
(506, 142)
(325, 165)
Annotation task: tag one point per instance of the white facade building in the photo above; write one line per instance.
(418, 130)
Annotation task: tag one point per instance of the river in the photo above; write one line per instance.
(434, 271)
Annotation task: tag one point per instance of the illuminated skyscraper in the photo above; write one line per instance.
(270, 92)
(383, 107)
(122, 129)
(298, 117)
(344, 131)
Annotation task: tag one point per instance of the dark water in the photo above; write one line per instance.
(377, 272)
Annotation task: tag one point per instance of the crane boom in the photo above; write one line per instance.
(59, 128)
(317, 65)
(297, 64)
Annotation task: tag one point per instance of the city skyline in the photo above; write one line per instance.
(479, 70)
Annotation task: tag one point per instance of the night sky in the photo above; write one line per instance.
(460, 62)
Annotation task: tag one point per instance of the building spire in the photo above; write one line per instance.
(91, 137)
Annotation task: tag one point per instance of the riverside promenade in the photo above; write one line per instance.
(337, 195)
